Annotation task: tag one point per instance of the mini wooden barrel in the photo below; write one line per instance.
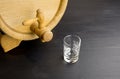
(14, 12)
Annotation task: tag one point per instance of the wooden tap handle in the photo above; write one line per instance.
(36, 27)
(29, 22)
(39, 18)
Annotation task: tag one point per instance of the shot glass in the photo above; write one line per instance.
(71, 48)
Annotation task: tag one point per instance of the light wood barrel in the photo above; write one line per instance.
(14, 12)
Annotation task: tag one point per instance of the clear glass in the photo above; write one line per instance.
(71, 47)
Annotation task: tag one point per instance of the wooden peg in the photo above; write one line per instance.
(47, 36)
(44, 34)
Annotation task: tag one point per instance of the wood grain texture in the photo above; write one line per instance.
(13, 14)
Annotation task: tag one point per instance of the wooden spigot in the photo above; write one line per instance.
(36, 27)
